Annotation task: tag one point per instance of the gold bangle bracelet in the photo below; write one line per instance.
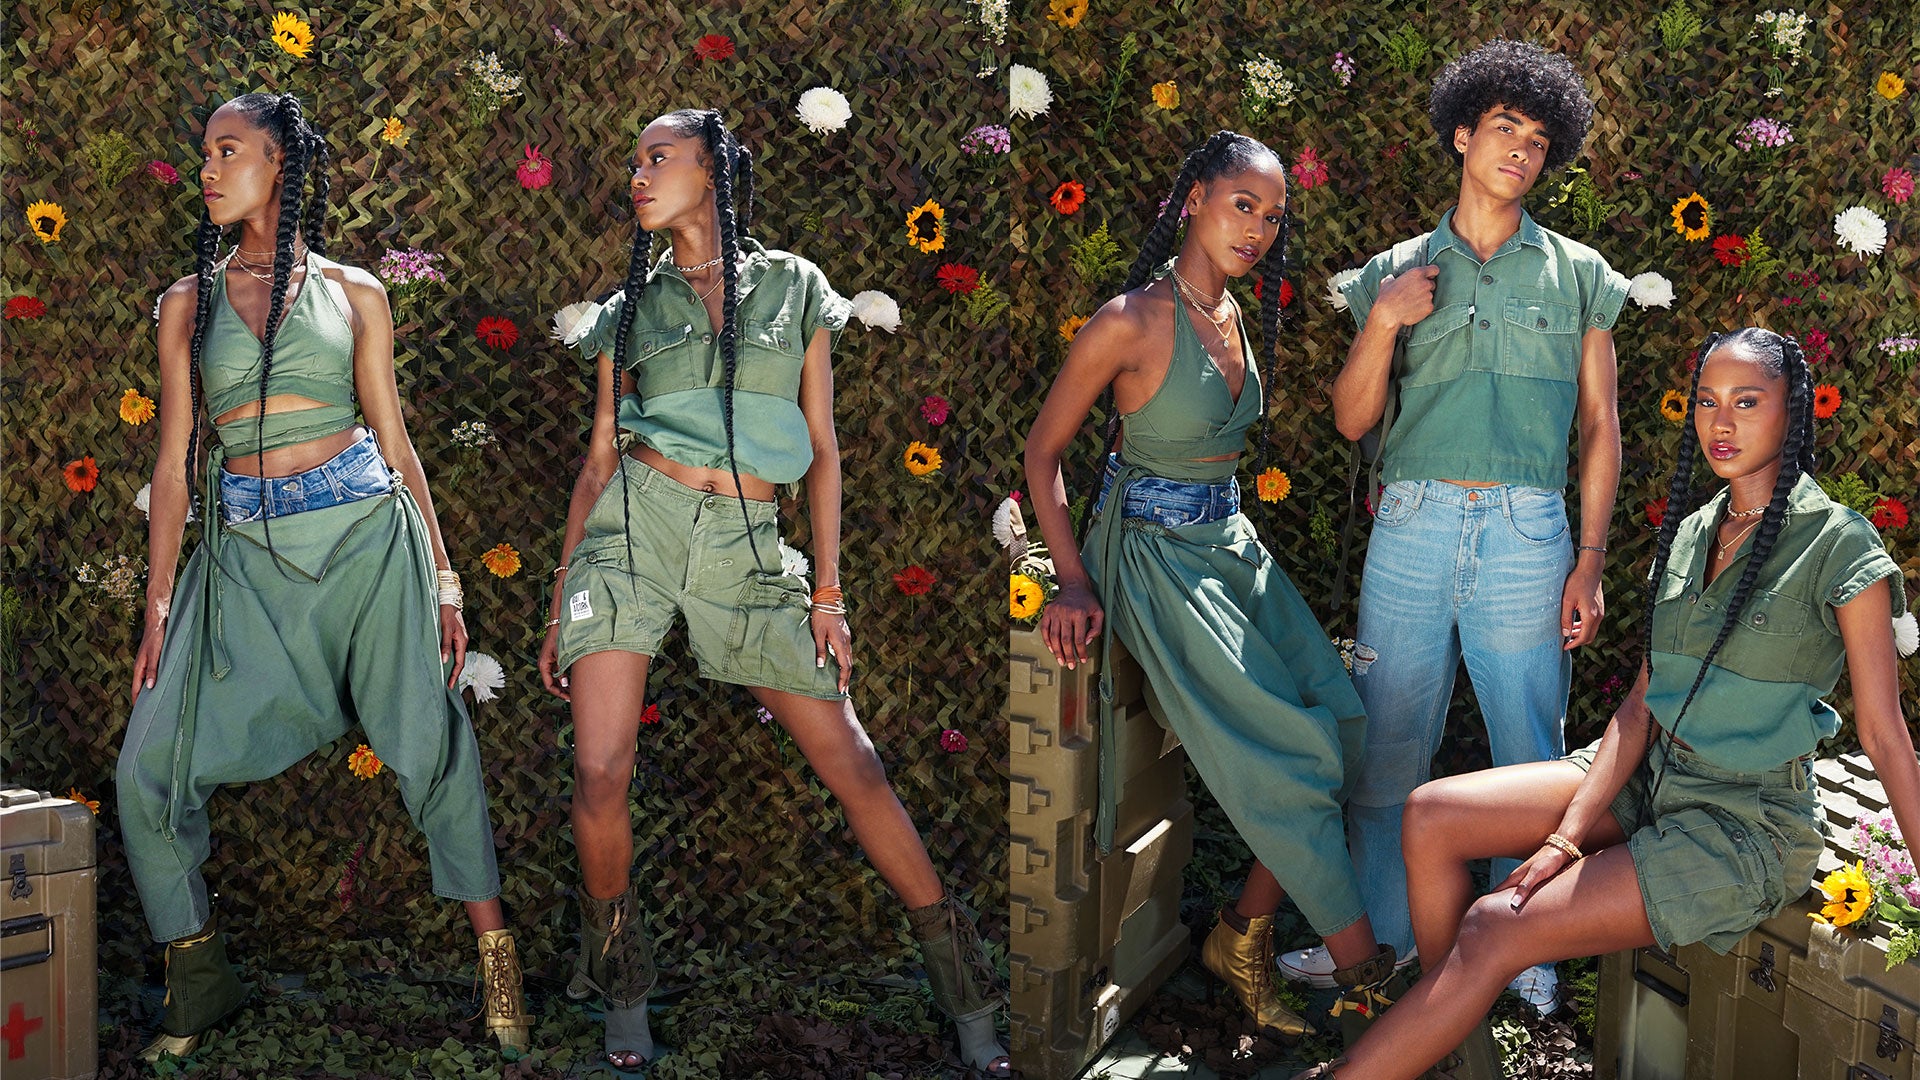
(1565, 846)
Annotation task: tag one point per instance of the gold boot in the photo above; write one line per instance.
(1245, 963)
(501, 1000)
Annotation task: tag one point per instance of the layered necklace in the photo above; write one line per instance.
(261, 271)
(1206, 306)
(1729, 547)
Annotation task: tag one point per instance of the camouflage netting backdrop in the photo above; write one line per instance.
(744, 855)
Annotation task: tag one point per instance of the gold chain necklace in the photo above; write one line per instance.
(1727, 548)
(1220, 322)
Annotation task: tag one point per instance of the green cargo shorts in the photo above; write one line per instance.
(1717, 852)
(688, 554)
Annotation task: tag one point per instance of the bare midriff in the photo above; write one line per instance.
(717, 481)
(286, 460)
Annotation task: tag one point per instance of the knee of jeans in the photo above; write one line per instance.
(1390, 771)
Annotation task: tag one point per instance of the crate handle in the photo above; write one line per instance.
(1860, 1070)
(1678, 997)
(27, 924)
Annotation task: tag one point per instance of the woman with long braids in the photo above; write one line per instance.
(729, 348)
(1695, 817)
(1237, 665)
(311, 602)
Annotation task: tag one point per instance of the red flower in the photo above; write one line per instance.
(1826, 400)
(163, 172)
(934, 409)
(1730, 250)
(1657, 512)
(952, 741)
(714, 47)
(25, 307)
(650, 714)
(81, 475)
(535, 171)
(914, 581)
(957, 278)
(1286, 290)
(1897, 185)
(1068, 197)
(1817, 347)
(1309, 170)
(498, 332)
(1889, 513)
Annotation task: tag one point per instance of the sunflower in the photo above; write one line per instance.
(1692, 217)
(136, 408)
(1673, 406)
(292, 34)
(501, 560)
(1889, 85)
(1849, 896)
(1826, 400)
(1066, 13)
(921, 459)
(47, 220)
(363, 763)
(91, 804)
(1166, 95)
(929, 238)
(81, 475)
(1070, 326)
(1272, 485)
(1025, 597)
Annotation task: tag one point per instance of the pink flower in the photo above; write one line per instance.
(535, 171)
(1309, 170)
(169, 175)
(934, 409)
(1897, 185)
(952, 741)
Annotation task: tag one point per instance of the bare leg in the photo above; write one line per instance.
(485, 915)
(1261, 895)
(837, 748)
(609, 690)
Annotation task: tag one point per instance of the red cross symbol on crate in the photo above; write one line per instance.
(16, 1030)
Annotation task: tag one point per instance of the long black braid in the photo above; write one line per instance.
(206, 244)
(1273, 273)
(1778, 356)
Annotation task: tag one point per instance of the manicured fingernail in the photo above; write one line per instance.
(1516, 901)
(563, 683)
(819, 661)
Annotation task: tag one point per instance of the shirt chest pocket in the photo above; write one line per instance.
(1770, 640)
(1539, 339)
(664, 359)
(1439, 346)
(770, 360)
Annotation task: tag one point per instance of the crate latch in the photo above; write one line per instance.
(1762, 976)
(1889, 1045)
(17, 867)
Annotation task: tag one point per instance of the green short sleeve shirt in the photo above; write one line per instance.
(1759, 704)
(678, 386)
(1491, 377)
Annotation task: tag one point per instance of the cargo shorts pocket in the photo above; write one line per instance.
(1704, 877)
(769, 639)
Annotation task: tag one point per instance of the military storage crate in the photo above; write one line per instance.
(1794, 999)
(1092, 936)
(49, 1023)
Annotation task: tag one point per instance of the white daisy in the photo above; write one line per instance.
(824, 109)
(1336, 283)
(876, 309)
(792, 563)
(1649, 289)
(572, 322)
(1906, 634)
(1860, 230)
(1028, 94)
(483, 675)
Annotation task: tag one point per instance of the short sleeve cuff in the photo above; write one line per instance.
(1858, 573)
(598, 330)
(1360, 294)
(1605, 309)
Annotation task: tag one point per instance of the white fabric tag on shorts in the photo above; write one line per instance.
(579, 607)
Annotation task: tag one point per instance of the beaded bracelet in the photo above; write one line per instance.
(1565, 846)
(450, 594)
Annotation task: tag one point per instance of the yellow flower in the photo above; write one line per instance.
(928, 238)
(394, 133)
(136, 408)
(47, 220)
(1889, 85)
(292, 34)
(1070, 326)
(1849, 896)
(921, 459)
(1025, 597)
(1067, 13)
(1273, 485)
(1692, 217)
(91, 804)
(1673, 406)
(1166, 95)
(501, 560)
(363, 764)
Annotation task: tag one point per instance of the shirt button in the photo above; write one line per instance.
(1760, 618)
(706, 339)
(1541, 323)
(1483, 324)
(1486, 279)
(1692, 597)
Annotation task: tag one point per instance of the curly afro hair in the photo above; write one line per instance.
(1520, 74)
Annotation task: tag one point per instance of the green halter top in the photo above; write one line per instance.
(312, 357)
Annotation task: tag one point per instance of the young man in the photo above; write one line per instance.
(1509, 339)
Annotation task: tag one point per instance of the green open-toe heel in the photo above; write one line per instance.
(962, 981)
(616, 962)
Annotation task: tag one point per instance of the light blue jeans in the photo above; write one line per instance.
(1453, 573)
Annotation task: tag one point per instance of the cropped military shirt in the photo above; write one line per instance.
(1759, 705)
(679, 383)
(1492, 376)
(312, 357)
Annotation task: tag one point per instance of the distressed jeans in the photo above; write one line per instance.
(1453, 573)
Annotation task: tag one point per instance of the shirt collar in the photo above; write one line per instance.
(754, 261)
(1529, 233)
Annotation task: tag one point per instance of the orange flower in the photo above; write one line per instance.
(1166, 95)
(91, 804)
(363, 764)
(1068, 197)
(1070, 326)
(136, 408)
(1273, 485)
(81, 475)
(501, 560)
(1826, 400)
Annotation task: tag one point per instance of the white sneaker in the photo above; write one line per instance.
(1538, 986)
(1315, 966)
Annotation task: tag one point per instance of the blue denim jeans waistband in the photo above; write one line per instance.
(358, 472)
(1172, 503)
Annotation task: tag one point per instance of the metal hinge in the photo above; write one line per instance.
(1762, 976)
(1890, 1041)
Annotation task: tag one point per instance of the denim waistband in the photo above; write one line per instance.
(1477, 498)
(1172, 503)
(358, 472)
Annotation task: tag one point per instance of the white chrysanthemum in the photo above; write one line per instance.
(143, 499)
(1028, 94)
(792, 563)
(572, 322)
(1906, 634)
(1649, 289)
(1860, 230)
(1010, 527)
(483, 675)
(824, 109)
(1337, 282)
(876, 309)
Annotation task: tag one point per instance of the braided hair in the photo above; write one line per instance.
(732, 171)
(1778, 356)
(1225, 153)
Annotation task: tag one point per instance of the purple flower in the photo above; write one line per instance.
(952, 741)
(987, 139)
(1765, 133)
(1343, 67)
